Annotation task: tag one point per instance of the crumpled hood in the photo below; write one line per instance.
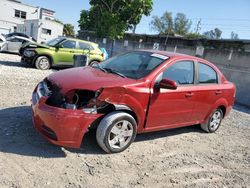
(34, 45)
(86, 78)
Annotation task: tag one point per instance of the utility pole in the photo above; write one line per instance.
(198, 27)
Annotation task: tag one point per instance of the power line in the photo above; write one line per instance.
(224, 19)
(198, 27)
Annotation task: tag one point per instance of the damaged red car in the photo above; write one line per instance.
(128, 94)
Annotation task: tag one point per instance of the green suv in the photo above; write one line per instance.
(59, 52)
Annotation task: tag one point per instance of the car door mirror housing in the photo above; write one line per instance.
(167, 84)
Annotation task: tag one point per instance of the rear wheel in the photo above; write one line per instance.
(43, 63)
(214, 121)
(116, 132)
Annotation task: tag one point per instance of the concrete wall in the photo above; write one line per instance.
(236, 68)
(56, 29)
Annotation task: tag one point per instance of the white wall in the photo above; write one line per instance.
(56, 29)
(7, 14)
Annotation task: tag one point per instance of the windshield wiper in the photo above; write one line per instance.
(109, 70)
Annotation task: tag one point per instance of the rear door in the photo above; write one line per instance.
(208, 90)
(173, 108)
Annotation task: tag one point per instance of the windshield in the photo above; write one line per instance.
(133, 65)
(54, 42)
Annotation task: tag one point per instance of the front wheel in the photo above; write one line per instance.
(43, 63)
(116, 132)
(214, 121)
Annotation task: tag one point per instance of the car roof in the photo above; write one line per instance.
(170, 54)
(177, 55)
(79, 40)
(23, 38)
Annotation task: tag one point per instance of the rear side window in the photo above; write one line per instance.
(69, 44)
(182, 72)
(206, 75)
(85, 46)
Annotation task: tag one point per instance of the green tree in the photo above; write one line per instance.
(84, 22)
(194, 36)
(181, 24)
(213, 34)
(166, 24)
(111, 18)
(234, 36)
(68, 30)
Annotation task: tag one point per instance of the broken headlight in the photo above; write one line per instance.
(29, 53)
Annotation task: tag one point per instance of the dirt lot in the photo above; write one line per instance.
(184, 157)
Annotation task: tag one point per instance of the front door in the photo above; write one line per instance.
(14, 44)
(65, 52)
(173, 108)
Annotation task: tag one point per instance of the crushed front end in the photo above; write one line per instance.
(64, 118)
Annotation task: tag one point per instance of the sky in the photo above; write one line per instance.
(227, 15)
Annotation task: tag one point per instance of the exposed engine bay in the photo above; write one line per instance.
(75, 99)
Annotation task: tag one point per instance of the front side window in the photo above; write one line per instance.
(181, 72)
(206, 74)
(69, 44)
(55, 41)
(133, 65)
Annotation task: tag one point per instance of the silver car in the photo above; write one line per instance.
(2, 42)
(13, 44)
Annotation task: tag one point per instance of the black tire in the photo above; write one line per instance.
(111, 122)
(209, 127)
(43, 63)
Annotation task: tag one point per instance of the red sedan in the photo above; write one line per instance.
(132, 93)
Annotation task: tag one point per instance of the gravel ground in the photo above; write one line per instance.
(184, 157)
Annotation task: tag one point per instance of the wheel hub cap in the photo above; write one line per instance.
(121, 134)
(215, 120)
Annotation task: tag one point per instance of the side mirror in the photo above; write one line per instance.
(167, 84)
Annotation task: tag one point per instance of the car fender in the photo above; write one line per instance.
(49, 55)
(118, 97)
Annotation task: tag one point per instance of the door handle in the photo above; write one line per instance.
(71, 51)
(189, 94)
(218, 92)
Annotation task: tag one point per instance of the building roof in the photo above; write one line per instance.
(16, 1)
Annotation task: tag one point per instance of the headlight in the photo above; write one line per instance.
(29, 53)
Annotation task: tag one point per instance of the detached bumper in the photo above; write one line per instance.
(64, 127)
(27, 60)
